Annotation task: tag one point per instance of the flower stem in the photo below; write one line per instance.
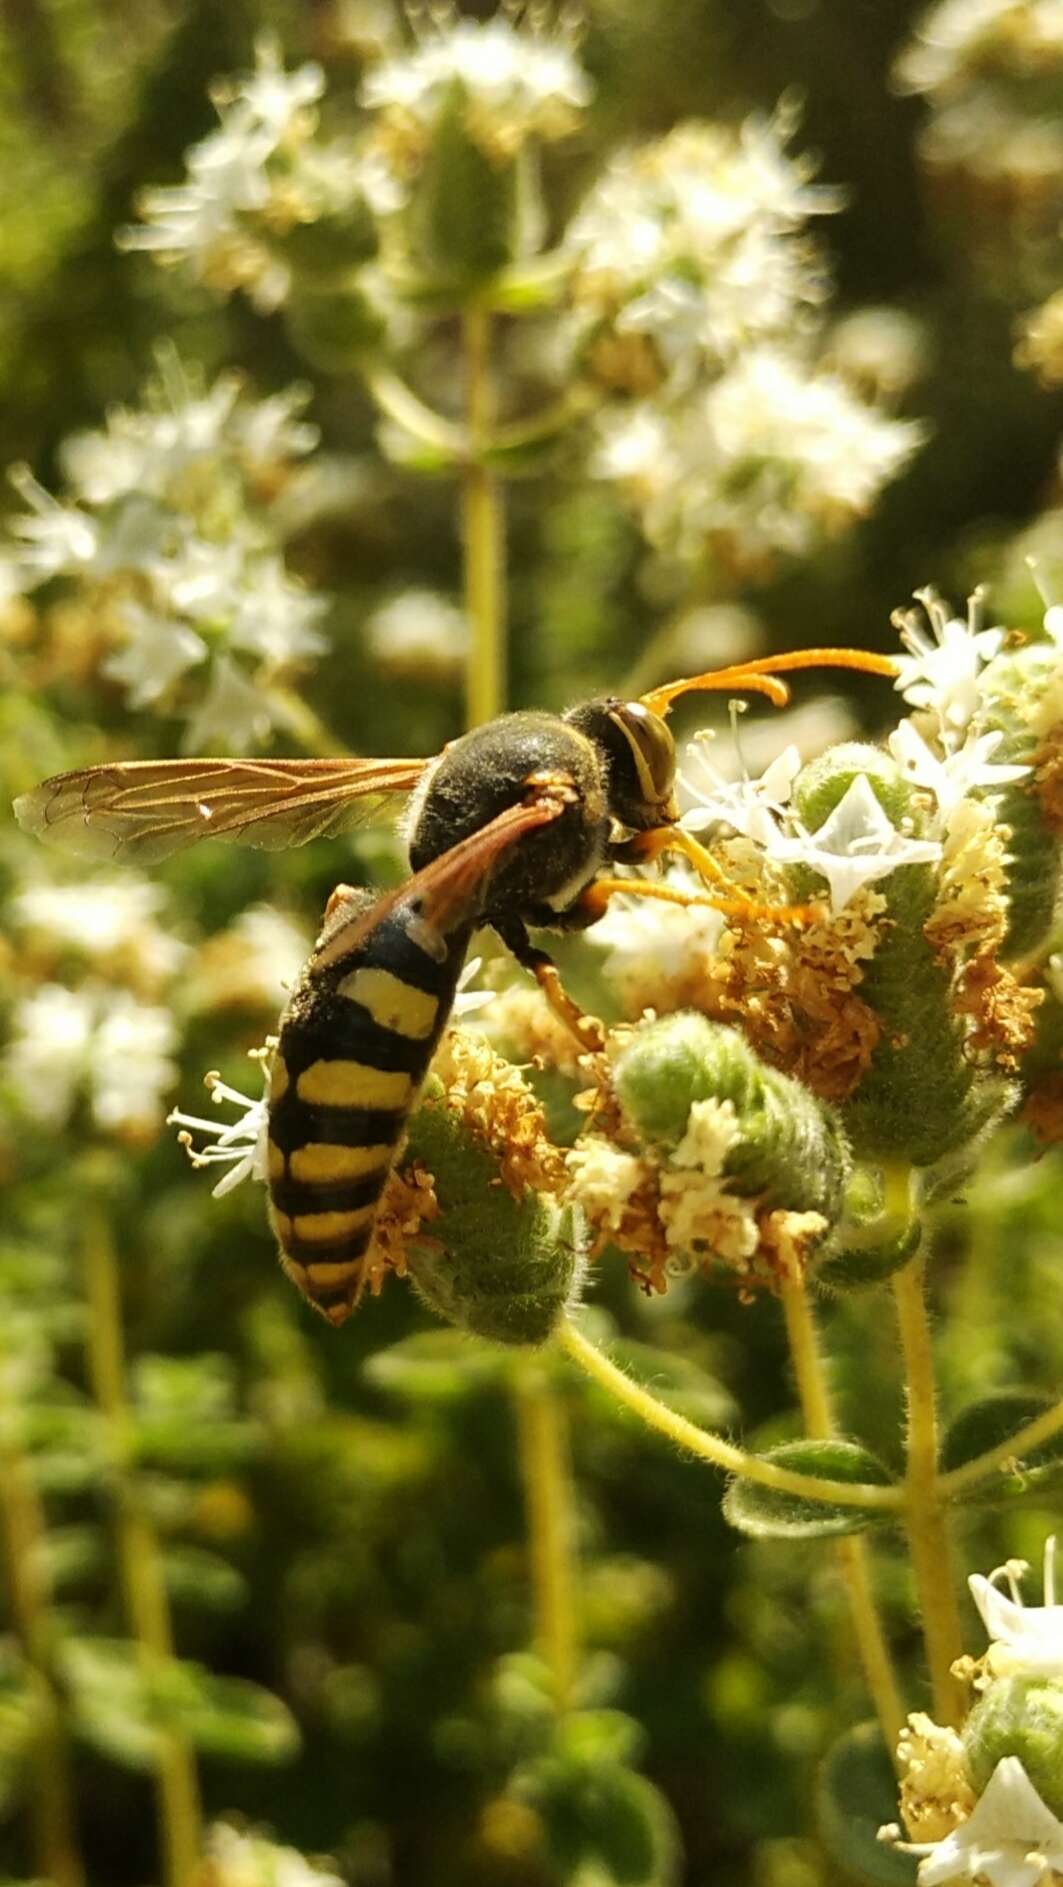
(138, 1550)
(547, 1477)
(1025, 1439)
(713, 1448)
(482, 532)
(853, 1558)
(925, 1521)
(23, 1530)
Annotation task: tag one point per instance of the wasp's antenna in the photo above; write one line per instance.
(758, 677)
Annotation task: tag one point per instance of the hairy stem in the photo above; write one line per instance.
(925, 1520)
(138, 1551)
(713, 1448)
(23, 1531)
(1031, 1435)
(482, 533)
(547, 1476)
(852, 1555)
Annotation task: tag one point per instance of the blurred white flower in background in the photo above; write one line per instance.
(111, 922)
(96, 1044)
(245, 1859)
(419, 634)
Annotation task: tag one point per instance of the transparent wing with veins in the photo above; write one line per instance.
(144, 810)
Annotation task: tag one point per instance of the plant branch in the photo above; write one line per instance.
(1030, 1436)
(713, 1448)
(482, 533)
(925, 1521)
(138, 1550)
(852, 1555)
(547, 1476)
(51, 1795)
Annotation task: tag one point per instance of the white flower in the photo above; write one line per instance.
(158, 650)
(602, 1179)
(94, 1041)
(233, 714)
(238, 1144)
(962, 37)
(275, 616)
(248, 1860)
(941, 670)
(696, 240)
(208, 220)
(104, 919)
(1023, 1638)
(54, 538)
(651, 944)
(856, 846)
(418, 632)
(467, 1000)
(1010, 1839)
(967, 769)
(515, 85)
(747, 806)
(698, 1210)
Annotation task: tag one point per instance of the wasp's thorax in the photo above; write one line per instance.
(639, 757)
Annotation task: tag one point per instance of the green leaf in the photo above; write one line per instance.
(224, 1716)
(110, 1708)
(19, 1721)
(855, 1796)
(989, 1422)
(437, 1366)
(766, 1514)
(604, 1826)
(195, 1576)
(72, 1555)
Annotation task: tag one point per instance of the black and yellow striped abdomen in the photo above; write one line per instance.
(354, 1047)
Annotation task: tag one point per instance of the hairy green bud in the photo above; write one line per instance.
(473, 212)
(914, 1102)
(331, 246)
(789, 1148)
(1013, 688)
(505, 1267)
(334, 327)
(1023, 1717)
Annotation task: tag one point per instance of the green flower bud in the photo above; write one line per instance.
(914, 1102)
(1013, 689)
(333, 327)
(1023, 1717)
(331, 246)
(473, 211)
(789, 1148)
(505, 1267)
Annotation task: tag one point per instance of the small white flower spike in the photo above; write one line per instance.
(967, 769)
(1010, 1839)
(855, 847)
(747, 806)
(1023, 1638)
(941, 670)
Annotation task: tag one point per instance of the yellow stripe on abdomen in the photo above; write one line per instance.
(392, 1003)
(321, 1165)
(352, 1084)
(326, 1228)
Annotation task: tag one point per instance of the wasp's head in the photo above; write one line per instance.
(639, 756)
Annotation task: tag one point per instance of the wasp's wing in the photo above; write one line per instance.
(448, 891)
(146, 809)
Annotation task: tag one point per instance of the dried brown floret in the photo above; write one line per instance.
(498, 1108)
(1003, 1011)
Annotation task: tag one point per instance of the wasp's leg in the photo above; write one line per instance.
(595, 899)
(588, 1030)
(645, 847)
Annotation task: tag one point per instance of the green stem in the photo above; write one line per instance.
(713, 1448)
(399, 402)
(547, 1476)
(1030, 1436)
(138, 1551)
(925, 1521)
(482, 533)
(51, 1795)
(852, 1556)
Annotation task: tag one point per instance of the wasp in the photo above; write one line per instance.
(519, 825)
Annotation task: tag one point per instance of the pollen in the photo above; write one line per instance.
(936, 1794)
(498, 1108)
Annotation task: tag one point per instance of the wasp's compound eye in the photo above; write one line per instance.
(652, 748)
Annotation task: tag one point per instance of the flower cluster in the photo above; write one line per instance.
(984, 1804)
(259, 181)
(244, 1858)
(159, 566)
(507, 86)
(696, 296)
(987, 68)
